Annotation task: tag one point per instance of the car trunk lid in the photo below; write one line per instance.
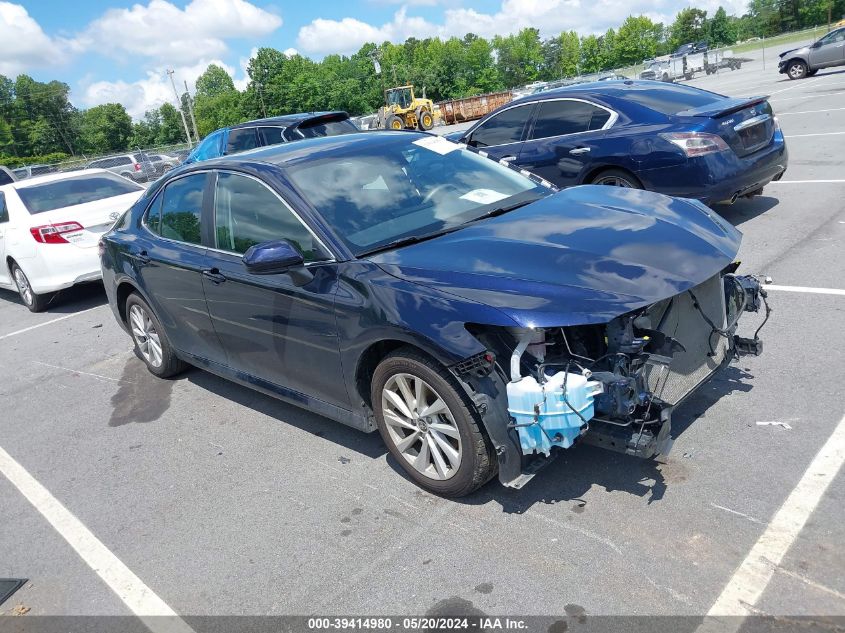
(747, 125)
(81, 224)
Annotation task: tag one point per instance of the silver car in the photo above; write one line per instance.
(806, 61)
(137, 166)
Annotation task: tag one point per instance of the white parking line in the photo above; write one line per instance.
(802, 182)
(829, 94)
(813, 134)
(33, 327)
(754, 573)
(817, 291)
(129, 588)
(780, 114)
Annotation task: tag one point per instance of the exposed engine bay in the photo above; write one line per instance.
(615, 384)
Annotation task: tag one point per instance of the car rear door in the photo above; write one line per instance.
(501, 135)
(273, 327)
(564, 139)
(830, 50)
(169, 260)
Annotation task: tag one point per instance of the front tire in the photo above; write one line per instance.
(151, 343)
(429, 425)
(34, 302)
(796, 69)
(395, 122)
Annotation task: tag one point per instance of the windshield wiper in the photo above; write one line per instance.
(502, 210)
(404, 241)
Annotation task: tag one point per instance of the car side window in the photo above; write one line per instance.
(247, 213)
(271, 135)
(830, 38)
(557, 118)
(505, 127)
(176, 212)
(241, 140)
(4, 210)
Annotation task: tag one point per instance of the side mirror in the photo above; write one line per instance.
(271, 258)
(816, 45)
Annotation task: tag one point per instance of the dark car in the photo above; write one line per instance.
(690, 48)
(673, 139)
(395, 281)
(272, 131)
(827, 52)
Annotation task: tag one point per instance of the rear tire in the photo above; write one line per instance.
(616, 178)
(34, 302)
(151, 343)
(810, 73)
(796, 69)
(443, 450)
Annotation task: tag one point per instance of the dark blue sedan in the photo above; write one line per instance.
(272, 131)
(476, 317)
(677, 140)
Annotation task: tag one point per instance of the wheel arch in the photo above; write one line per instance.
(123, 289)
(595, 171)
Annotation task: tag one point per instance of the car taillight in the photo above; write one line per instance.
(101, 248)
(696, 143)
(777, 124)
(137, 166)
(53, 233)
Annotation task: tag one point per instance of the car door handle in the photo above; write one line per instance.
(214, 275)
(507, 159)
(579, 150)
(143, 257)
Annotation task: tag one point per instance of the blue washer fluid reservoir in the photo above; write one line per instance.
(543, 417)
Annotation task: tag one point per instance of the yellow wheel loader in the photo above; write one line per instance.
(403, 110)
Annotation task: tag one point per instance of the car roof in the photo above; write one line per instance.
(287, 120)
(59, 175)
(318, 147)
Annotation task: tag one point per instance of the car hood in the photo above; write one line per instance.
(584, 255)
(800, 49)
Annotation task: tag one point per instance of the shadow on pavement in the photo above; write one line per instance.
(75, 299)
(745, 209)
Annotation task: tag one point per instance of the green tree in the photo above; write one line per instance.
(592, 59)
(638, 39)
(720, 29)
(106, 128)
(213, 82)
(690, 26)
(171, 130)
(519, 57)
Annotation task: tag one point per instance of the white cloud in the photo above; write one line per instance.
(291, 52)
(161, 30)
(324, 36)
(23, 44)
(151, 91)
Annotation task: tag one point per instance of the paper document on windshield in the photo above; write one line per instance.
(484, 196)
(437, 144)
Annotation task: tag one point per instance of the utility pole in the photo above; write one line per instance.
(191, 111)
(179, 105)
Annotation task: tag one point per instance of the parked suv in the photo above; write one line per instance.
(137, 166)
(272, 131)
(808, 60)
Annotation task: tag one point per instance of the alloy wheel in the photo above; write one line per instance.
(145, 334)
(24, 288)
(421, 426)
(614, 181)
(796, 71)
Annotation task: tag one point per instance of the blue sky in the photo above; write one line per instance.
(118, 50)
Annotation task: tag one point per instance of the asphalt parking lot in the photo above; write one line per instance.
(219, 500)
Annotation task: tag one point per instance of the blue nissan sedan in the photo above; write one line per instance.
(477, 318)
(674, 139)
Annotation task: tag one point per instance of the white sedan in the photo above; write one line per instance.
(50, 226)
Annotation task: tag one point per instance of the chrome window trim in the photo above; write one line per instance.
(760, 118)
(614, 116)
(332, 257)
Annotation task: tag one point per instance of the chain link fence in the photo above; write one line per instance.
(141, 165)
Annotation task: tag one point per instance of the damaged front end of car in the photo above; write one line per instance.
(612, 384)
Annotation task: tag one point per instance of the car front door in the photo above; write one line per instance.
(5, 275)
(169, 262)
(500, 136)
(276, 327)
(828, 51)
(563, 140)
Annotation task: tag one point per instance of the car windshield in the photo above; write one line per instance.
(74, 190)
(375, 194)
